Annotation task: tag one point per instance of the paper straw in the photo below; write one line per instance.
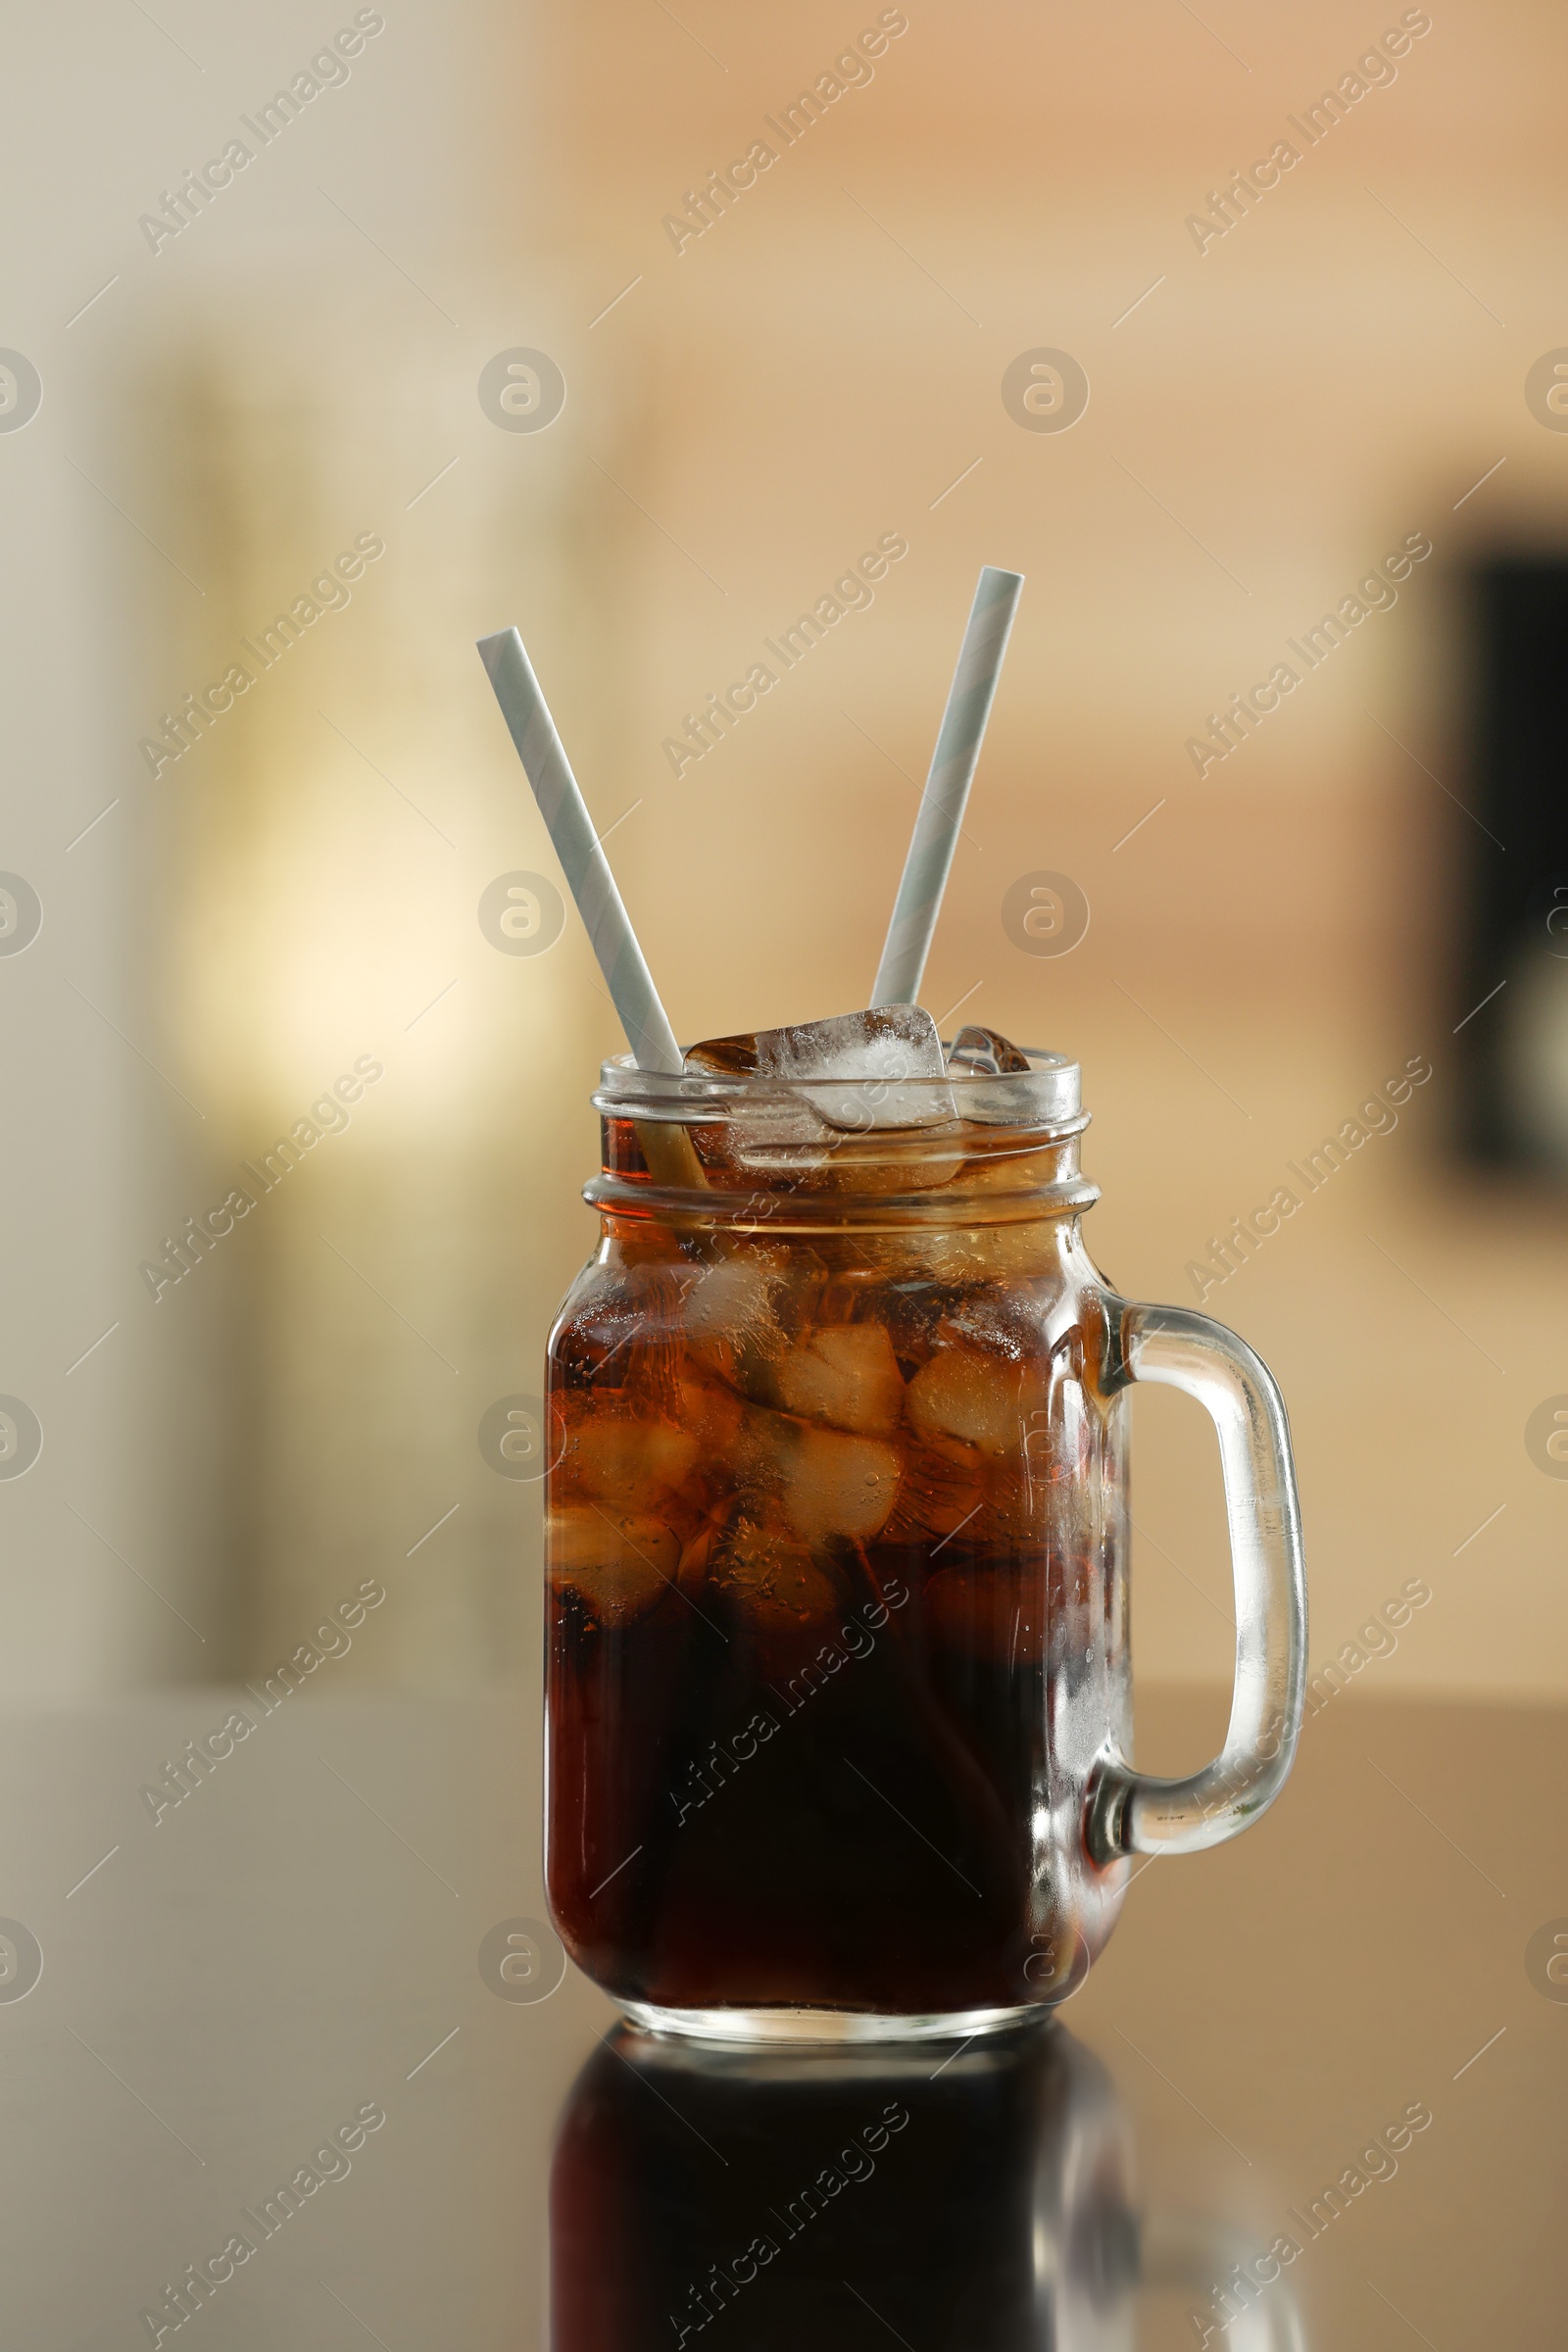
(947, 788)
(587, 870)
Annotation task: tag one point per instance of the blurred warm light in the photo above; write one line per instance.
(743, 418)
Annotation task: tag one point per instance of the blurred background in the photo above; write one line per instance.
(472, 334)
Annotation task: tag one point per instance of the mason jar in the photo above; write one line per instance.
(838, 1681)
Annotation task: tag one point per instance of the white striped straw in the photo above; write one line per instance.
(947, 788)
(587, 870)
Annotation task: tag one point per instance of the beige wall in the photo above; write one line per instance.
(756, 409)
(1298, 397)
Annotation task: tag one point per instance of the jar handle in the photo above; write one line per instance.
(1130, 1812)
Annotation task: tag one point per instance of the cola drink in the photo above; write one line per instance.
(836, 1601)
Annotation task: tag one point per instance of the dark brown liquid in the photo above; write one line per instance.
(835, 1623)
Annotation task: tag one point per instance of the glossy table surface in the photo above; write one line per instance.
(1312, 2096)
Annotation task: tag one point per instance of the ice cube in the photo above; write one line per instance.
(708, 1407)
(618, 1458)
(730, 1303)
(772, 1578)
(944, 1490)
(964, 1394)
(749, 1459)
(732, 1329)
(1037, 1087)
(619, 1563)
(986, 1051)
(869, 1056)
(836, 1485)
(846, 1374)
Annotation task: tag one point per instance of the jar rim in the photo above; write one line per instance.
(1047, 1096)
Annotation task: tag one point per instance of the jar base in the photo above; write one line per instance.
(831, 2028)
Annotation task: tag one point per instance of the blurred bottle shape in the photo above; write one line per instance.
(371, 1069)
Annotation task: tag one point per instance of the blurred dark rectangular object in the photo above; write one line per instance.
(1513, 1053)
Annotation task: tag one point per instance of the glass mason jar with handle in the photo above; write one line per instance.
(838, 1697)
